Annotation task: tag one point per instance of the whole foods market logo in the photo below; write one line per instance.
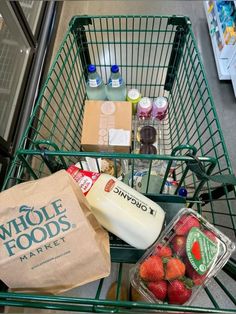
(34, 226)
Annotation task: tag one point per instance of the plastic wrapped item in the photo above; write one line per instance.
(139, 181)
(188, 253)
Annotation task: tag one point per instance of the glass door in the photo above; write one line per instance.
(32, 10)
(26, 35)
(14, 53)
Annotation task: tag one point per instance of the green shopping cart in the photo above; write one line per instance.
(159, 56)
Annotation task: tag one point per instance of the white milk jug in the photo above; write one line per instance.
(120, 209)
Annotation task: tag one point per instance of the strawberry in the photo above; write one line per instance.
(210, 235)
(175, 268)
(185, 223)
(163, 251)
(159, 289)
(198, 279)
(178, 245)
(152, 269)
(178, 293)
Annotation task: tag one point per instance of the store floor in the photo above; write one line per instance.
(222, 93)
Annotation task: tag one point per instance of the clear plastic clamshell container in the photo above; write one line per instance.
(188, 253)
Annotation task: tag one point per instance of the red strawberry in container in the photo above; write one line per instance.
(179, 245)
(210, 235)
(185, 223)
(152, 269)
(183, 259)
(158, 289)
(178, 293)
(175, 268)
(162, 251)
(197, 279)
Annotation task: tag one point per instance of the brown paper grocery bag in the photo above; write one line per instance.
(49, 239)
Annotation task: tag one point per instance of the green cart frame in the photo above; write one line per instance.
(159, 56)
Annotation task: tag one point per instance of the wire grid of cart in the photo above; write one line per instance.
(159, 56)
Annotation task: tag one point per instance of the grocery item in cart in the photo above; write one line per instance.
(159, 108)
(116, 89)
(108, 166)
(147, 149)
(104, 165)
(148, 135)
(144, 108)
(50, 240)
(189, 252)
(107, 126)
(120, 209)
(95, 87)
(139, 181)
(147, 138)
(134, 97)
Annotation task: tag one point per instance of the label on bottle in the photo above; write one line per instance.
(110, 185)
(95, 82)
(85, 179)
(201, 250)
(116, 82)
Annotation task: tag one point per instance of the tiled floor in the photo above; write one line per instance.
(222, 91)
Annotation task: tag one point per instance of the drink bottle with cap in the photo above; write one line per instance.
(159, 108)
(130, 215)
(144, 108)
(95, 87)
(116, 89)
(134, 97)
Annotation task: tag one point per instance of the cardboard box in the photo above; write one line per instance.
(107, 126)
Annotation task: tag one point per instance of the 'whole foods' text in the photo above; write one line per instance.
(34, 226)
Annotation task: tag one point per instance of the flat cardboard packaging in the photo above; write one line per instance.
(99, 117)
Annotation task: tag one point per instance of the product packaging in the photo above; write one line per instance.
(188, 253)
(107, 126)
(50, 240)
(134, 97)
(123, 211)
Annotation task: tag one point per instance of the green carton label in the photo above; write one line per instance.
(201, 251)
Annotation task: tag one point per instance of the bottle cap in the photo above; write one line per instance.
(92, 68)
(145, 103)
(114, 68)
(160, 103)
(182, 191)
(133, 96)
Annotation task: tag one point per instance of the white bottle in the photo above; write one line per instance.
(116, 89)
(120, 209)
(95, 87)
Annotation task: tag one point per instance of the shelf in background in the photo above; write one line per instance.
(221, 64)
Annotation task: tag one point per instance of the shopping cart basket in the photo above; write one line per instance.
(158, 55)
